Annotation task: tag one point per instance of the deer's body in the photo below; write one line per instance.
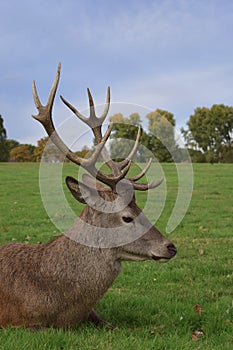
(57, 284)
(54, 284)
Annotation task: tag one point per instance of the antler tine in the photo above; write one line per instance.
(142, 173)
(145, 187)
(35, 96)
(117, 167)
(87, 163)
(45, 112)
(54, 87)
(124, 163)
(107, 106)
(74, 110)
(93, 121)
(142, 186)
(112, 179)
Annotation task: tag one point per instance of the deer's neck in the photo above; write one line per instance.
(89, 269)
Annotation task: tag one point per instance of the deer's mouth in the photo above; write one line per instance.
(138, 257)
(133, 257)
(160, 259)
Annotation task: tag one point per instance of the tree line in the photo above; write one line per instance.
(208, 138)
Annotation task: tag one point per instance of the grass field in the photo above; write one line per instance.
(184, 304)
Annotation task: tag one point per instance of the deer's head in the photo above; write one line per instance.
(111, 208)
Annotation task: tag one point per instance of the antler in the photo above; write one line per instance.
(95, 124)
(118, 169)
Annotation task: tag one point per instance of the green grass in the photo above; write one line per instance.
(153, 305)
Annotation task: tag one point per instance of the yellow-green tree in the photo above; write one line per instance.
(22, 153)
(162, 135)
(39, 149)
(47, 151)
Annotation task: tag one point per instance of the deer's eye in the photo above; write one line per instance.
(127, 219)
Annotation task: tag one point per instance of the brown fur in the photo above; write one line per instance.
(57, 284)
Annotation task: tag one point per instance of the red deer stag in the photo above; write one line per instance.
(57, 284)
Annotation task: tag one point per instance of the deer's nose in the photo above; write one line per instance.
(172, 249)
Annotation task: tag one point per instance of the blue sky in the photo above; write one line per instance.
(173, 55)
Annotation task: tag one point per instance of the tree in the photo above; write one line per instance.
(11, 144)
(4, 154)
(22, 153)
(211, 131)
(39, 149)
(227, 156)
(46, 148)
(197, 156)
(125, 129)
(84, 152)
(162, 136)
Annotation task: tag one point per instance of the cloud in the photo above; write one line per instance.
(172, 55)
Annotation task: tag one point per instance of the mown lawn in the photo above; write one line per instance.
(184, 304)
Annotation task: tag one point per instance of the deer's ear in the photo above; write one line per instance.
(80, 191)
